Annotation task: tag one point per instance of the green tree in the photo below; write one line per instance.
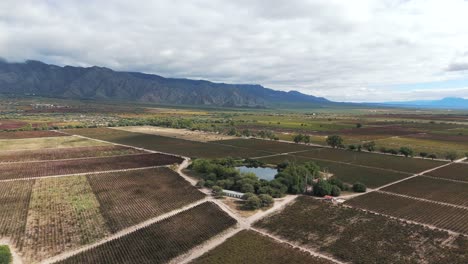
(358, 125)
(306, 139)
(298, 138)
(451, 156)
(252, 203)
(335, 191)
(406, 151)
(247, 188)
(423, 154)
(432, 156)
(200, 183)
(359, 187)
(322, 188)
(334, 141)
(369, 146)
(5, 255)
(352, 147)
(265, 200)
(217, 191)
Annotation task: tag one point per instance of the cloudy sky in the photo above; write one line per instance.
(344, 50)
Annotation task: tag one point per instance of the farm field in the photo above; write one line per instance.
(425, 144)
(265, 145)
(166, 144)
(47, 216)
(161, 241)
(390, 162)
(61, 167)
(354, 236)
(251, 247)
(66, 153)
(430, 213)
(456, 171)
(63, 214)
(29, 134)
(371, 177)
(47, 142)
(130, 197)
(433, 189)
(176, 133)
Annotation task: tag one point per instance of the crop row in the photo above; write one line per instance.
(433, 189)
(167, 144)
(66, 153)
(161, 241)
(265, 145)
(430, 213)
(455, 171)
(251, 247)
(60, 167)
(358, 237)
(372, 177)
(131, 197)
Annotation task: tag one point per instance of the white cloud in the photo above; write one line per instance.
(332, 48)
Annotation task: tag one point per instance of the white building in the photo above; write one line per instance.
(233, 194)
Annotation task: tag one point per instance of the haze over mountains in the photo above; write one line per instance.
(38, 78)
(444, 103)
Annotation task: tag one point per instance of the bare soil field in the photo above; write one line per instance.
(176, 133)
(47, 142)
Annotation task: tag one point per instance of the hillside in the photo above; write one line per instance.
(38, 78)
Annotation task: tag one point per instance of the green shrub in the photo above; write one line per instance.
(5, 255)
(359, 187)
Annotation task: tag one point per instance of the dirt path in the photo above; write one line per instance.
(281, 154)
(444, 179)
(124, 232)
(16, 258)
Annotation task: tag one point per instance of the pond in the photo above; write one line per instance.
(262, 173)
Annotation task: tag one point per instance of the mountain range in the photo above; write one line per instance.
(98, 83)
(445, 103)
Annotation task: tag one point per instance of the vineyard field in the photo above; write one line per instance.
(161, 241)
(433, 189)
(372, 177)
(128, 198)
(66, 153)
(252, 247)
(63, 214)
(181, 147)
(352, 235)
(58, 167)
(47, 143)
(269, 146)
(430, 213)
(410, 165)
(14, 203)
(29, 134)
(456, 171)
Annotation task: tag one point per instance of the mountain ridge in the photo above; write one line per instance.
(100, 83)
